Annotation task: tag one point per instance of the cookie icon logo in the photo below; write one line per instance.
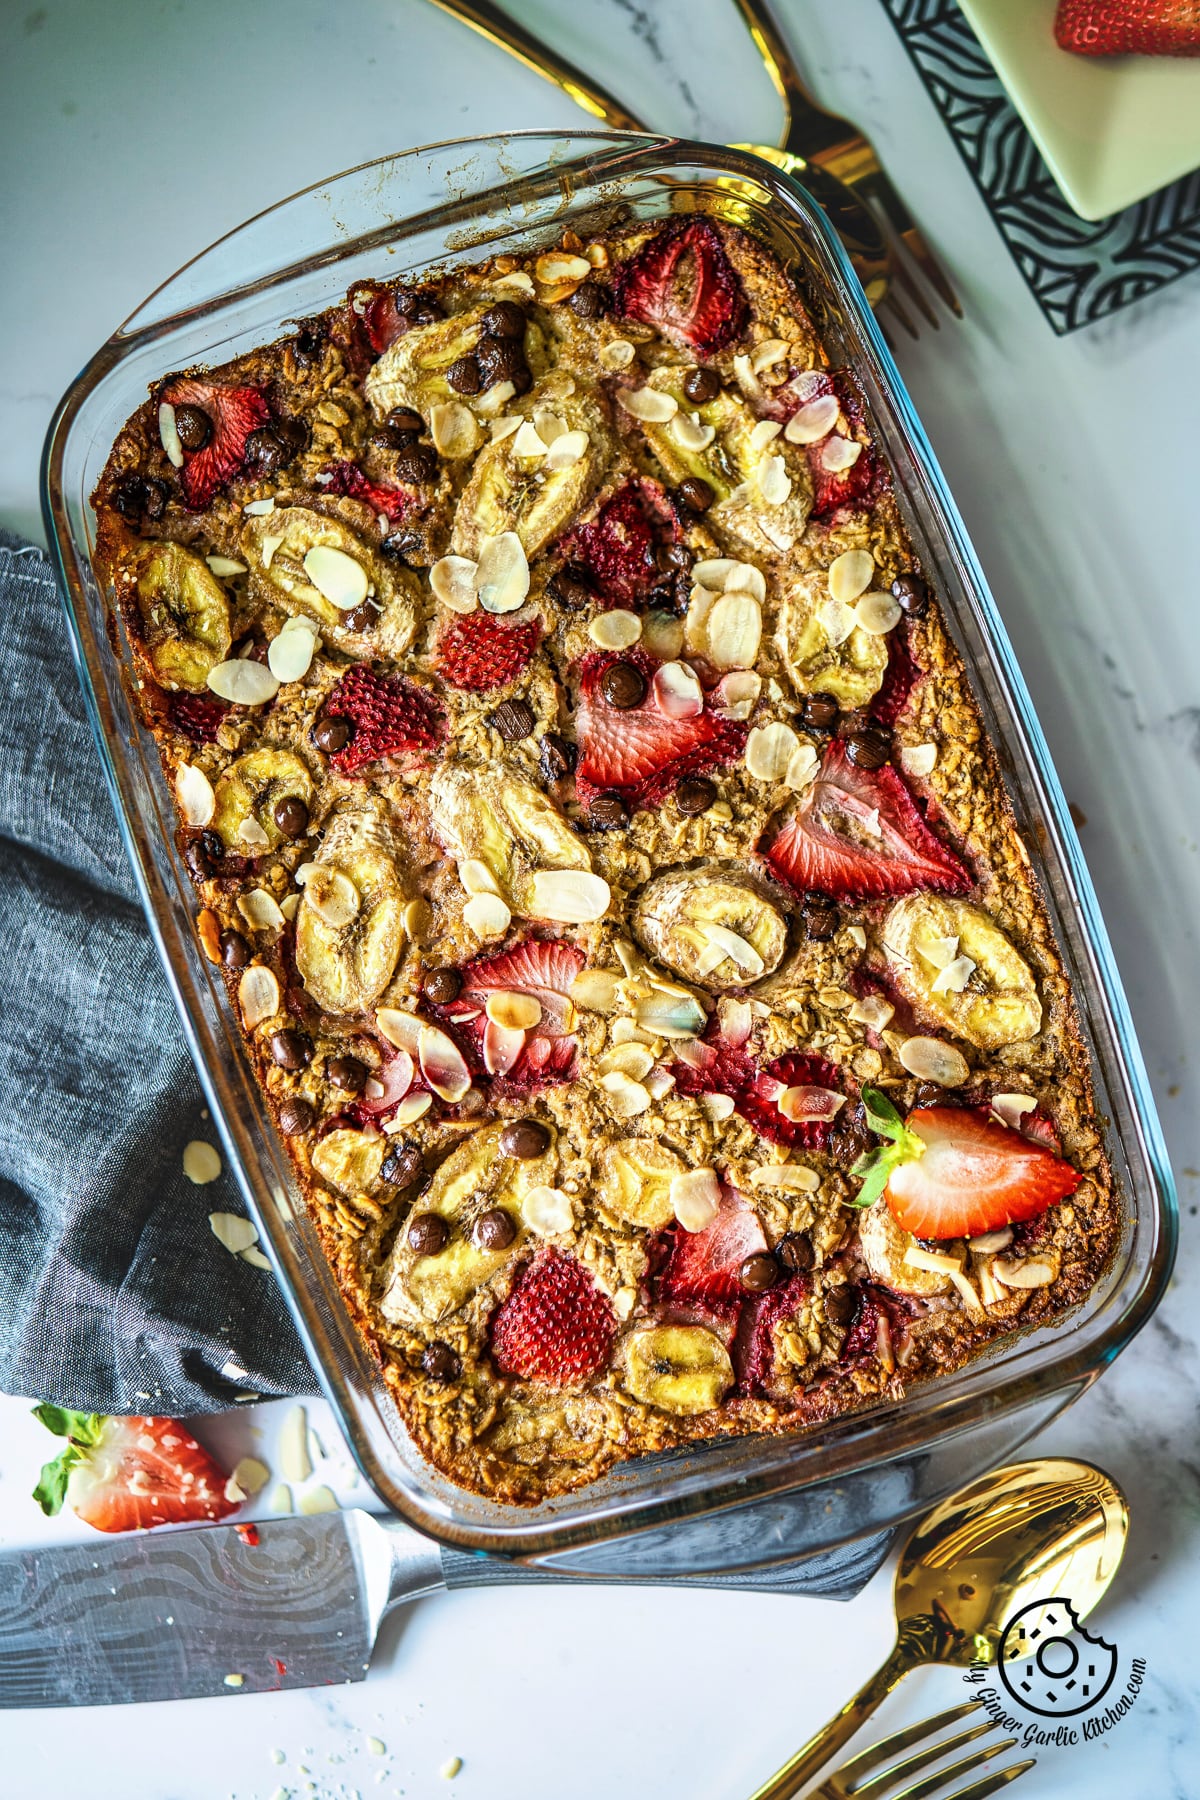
(1050, 1664)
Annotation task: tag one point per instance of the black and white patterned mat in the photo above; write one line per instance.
(1078, 271)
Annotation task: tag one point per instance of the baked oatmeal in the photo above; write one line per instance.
(593, 825)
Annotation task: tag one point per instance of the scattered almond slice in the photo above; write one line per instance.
(677, 691)
(547, 1211)
(529, 441)
(202, 1163)
(689, 433)
(1034, 1272)
(873, 1011)
(251, 1475)
(295, 1462)
(332, 895)
(837, 620)
(403, 1029)
(487, 915)
(659, 1082)
(769, 750)
(567, 449)
(1010, 1109)
(570, 896)
(801, 770)
(634, 1060)
(954, 977)
(671, 1015)
(988, 1242)
(477, 877)
(557, 267)
(918, 759)
(251, 833)
(733, 629)
(696, 1198)
(269, 546)
(877, 612)
(624, 1301)
(792, 1178)
(618, 353)
(742, 953)
(774, 482)
(281, 1499)
(502, 1048)
(747, 380)
(767, 354)
(454, 430)
(194, 792)
(736, 1017)
(290, 653)
(736, 695)
(319, 1500)
(595, 990)
(256, 1259)
(647, 404)
(813, 421)
(168, 435)
(807, 1105)
(713, 572)
(518, 1012)
(930, 1059)
(516, 283)
(937, 1262)
(260, 910)
(414, 1106)
(857, 936)
(626, 1098)
(223, 566)
(243, 682)
(615, 630)
(502, 577)
(341, 579)
(442, 1064)
(763, 433)
(502, 428)
(717, 1107)
(453, 580)
(259, 509)
(850, 575)
(489, 404)
(840, 454)
(258, 995)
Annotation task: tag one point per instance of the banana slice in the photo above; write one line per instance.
(951, 959)
(250, 789)
(412, 371)
(884, 1244)
(711, 927)
(498, 818)
(818, 658)
(350, 1160)
(679, 1368)
(474, 1179)
(511, 492)
(278, 547)
(737, 465)
(634, 1183)
(346, 966)
(185, 615)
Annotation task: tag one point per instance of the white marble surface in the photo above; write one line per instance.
(129, 138)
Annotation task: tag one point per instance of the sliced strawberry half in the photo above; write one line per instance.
(374, 313)
(390, 716)
(234, 413)
(639, 752)
(899, 679)
(348, 479)
(703, 1267)
(479, 653)
(754, 1346)
(197, 716)
(543, 968)
(127, 1474)
(556, 1326)
(617, 548)
(758, 1103)
(857, 834)
(684, 284)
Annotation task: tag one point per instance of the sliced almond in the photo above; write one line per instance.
(557, 267)
(414, 1106)
(713, 571)
(877, 612)
(518, 282)
(696, 1198)
(936, 1261)
(243, 683)
(659, 1082)
(477, 877)
(955, 976)
(988, 1242)
(618, 353)
(802, 767)
(260, 910)
(813, 421)
(222, 566)
(231, 1230)
(547, 1211)
(850, 575)
(202, 1164)
(452, 579)
(442, 1064)
(625, 1031)
(810, 1105)
(258, 995)
(736, 695)
(873, 1011)
(763, 433)
(516, 1012)
(494, 400)
(454, 430)
(689, 433)
(595, 990)
(930, 1059)
(747, 380)
(769, 750)
(290, 654)
(716, 1107)
(1010, 1109)
(733, 629)
(503, 1046)
(341, 579)
(662, 635)
(251, 833)
(260, 509)
(857, 936)
(502, 428)
(634, 1060)
(168, 435)
(268, 547)
(837, 620)
(647, 404)
(570, 896)
(736, 1017)
(403, 1029)
(208, 930)
(792, 1178)
(1033, 1273)
(615, 630)
(774, 482)
(502, 576)
(194, 792)
(672, 1016)
(918, 759)
(742, 953)
(566, 450)
(767, 354)
(677, 691)
(626, 1098)
(487, 915)
(940, 951)
(332, 895)
(840, 454)
(529, 440)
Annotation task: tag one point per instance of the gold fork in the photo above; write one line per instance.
(836, 145)
(862, 1775)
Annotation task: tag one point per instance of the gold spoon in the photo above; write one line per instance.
(1045, 1530)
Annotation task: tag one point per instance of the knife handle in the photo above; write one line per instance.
(505, 32)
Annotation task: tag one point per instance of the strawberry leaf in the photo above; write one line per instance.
(873, 1169)
(882, 1116)
(83, 1431)
(51, 1489)
(81, 1428)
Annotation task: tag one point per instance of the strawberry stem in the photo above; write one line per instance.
(875, 1167)
(83, 1432)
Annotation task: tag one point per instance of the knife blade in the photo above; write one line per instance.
(284, 1603)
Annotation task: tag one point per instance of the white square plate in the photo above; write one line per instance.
(1111, 129)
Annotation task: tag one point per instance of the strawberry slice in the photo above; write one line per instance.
(857, 835)
(683, 284)
(346, 478)
(478, 653)
(374, 312)
(617, 549)
(556, 1326)
(1128, 27)
(544, 968)
(638, 751)
(758, 1103)
(234, 413)
(197, 716)
(754, 1346)
(899, 679)
(703, 1266)
(951, 1171)
(127, 1474)
(390, 716)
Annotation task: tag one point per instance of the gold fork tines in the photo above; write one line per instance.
(873, 1775)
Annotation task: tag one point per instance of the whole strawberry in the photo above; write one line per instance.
(1129, 27)
(556, 1326)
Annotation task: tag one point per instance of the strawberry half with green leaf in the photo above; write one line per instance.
(128, 1474)
(233, 413)
(951, 1172)
(857, 834)
(556, 1326)
(638, 751)
(684, 284)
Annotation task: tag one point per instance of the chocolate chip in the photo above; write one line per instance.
(857, 718)
(504, 320)
(154, 499)
(406, 547)
(440, 1362)
(308, 343)
(695, 795)
(427, 1233)
(513, 719)
(361, 618)
(465, 376)
(198, 861)
(272, 446)
(697, 495)
(416, 464)
(609, 812)
(388, 438)
(589, 301)
(427, 312)
(522, 380)
(442, 986)
(406, 301)
(193, 426)
(673, 557)
(405, 421)
(290, 816)
(701, 385)
(525, 1138)
(296, 1115)
(819, 916)
(235, 951)
(819, 713)
(928, 1093)
(912, 594)
(623, 686)
(758, 1273)
(499, 359)
(841, 1304)
(347, 1073)
(403, 1166)
(795, 1252)
(570, 587)
(494, 1229)
(869, 749)
(558, 757)
(290, 1049)
(139, 496)
(332, 734)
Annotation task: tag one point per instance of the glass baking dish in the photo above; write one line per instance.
(454, 202)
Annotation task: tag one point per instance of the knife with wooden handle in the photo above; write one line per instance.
(284, 1603)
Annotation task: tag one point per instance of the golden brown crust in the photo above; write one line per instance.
(521, 1441)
